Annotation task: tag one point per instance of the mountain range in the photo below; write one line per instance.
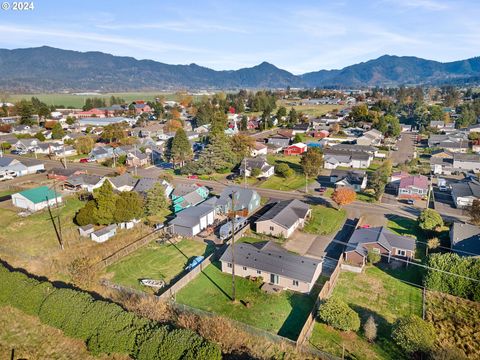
(47, 69)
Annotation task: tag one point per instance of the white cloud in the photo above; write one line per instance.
(430, 5)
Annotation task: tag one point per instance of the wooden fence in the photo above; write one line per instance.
(324, 293)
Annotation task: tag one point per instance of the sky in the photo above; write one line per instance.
(298, 36)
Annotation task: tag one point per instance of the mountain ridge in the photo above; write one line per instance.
(49, 69)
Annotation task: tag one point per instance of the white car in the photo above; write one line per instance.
(5, 177)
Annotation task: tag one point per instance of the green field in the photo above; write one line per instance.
(155, 261)
(34, 235)
(376, 293)
(283, 313)
(77, 101)
(325, 221)
(312, 110)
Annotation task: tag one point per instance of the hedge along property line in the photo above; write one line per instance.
(104, 327)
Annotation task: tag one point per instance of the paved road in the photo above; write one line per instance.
(405, 149)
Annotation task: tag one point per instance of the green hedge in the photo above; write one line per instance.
(105, 327)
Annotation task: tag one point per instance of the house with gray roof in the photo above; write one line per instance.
(464, 192)
(334, 158)
(354, 179)
(86, 182)
(246, 201)
(284, 218)
(248, 164)
(273, 264)
(21, 167)
(186, 195)
(465, 239)
(143, 185)
(192, 220)
(124, 182)
(104, 234)
(379, 240)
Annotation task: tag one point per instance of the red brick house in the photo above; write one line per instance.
(320, 134)
(379, 240)
(295, 149)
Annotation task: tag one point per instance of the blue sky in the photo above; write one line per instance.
(298, 36)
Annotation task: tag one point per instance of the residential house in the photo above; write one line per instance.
(465, 239)
(281, 139)
(455, 142)
(379, 240)
(258, 149)
(99, 121)
(247, 201)
(143, 185)
(320, 134)
(273, 264)
(104, 234)
(65, 151)
(413, 187)
(136, 158)
(83, 182)
(464, 192)
(371, 137)
(340, 158)
(354, 179)
(187, 195)
(21, 167)
(300, 128)
(62, 174)
(26, 144)
(124, 182)
(101, 153)
(295, 149)
(248, 164)
(192, 220)
(36, 199)
(284, 218)
(91, 113)
(466, 162)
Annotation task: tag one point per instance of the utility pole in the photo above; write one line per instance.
(58, 210)
(245, 173)
(233, 246)
(64, 156)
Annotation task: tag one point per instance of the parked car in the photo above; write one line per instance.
(18, 152)
(84, 160)
(443, 188)
(321, 189)
(192, 177)
(5, 177)
(232, 176)
(159, 226)
(410, 202)
(366, 226)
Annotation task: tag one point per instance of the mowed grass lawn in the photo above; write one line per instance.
(34, 235)
(294, 182)
(283, 313)
(375, 293)
(155, 261)
(324, 220)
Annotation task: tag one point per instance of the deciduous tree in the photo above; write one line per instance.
(430, 220)
(84, 144)
(473, 212)
(370, 329)
(312, 162)
(343, 196)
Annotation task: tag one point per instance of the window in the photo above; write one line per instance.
(271, 228)
(259, 272)
(401, 252)
(295, 282)
(376, 250)
(244, 268)
(229, 265)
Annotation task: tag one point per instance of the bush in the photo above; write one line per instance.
(283, 170)
(255, 172)
(105, 327)
(339, 315)
(430, 220)
(373, 257)
(413, 334)
(370, 329)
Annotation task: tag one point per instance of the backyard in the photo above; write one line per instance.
(155, 261)
(324, 220)
(294, 182)
(283, 313)
(373, 292)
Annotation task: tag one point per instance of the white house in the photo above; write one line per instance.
(36, 199)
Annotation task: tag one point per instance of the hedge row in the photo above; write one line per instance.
(104, 327)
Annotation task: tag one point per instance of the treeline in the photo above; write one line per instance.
(104, 327)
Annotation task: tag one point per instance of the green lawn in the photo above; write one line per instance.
(376, 293)
(34, 235)
(325, 221)
(283, 313)
(312, 110)
(155, 261)
(409, 227)
(294, 182)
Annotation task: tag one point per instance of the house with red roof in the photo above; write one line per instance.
(413, 187)
(91, 113)
(295, 149)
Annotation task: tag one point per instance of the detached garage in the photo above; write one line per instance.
(36, 199)
(193, 220)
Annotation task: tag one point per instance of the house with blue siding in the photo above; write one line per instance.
(186, 195)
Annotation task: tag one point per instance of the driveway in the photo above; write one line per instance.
(405, 149)
(300, 242)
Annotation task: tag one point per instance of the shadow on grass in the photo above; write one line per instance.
(302, 305)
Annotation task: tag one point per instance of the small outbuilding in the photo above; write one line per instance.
(86, 230)
(104, 234)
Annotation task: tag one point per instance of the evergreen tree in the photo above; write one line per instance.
(57, 131)
(105, 200)
(217, 155)
(156, 200)
(312, 162)
(128, 206)
(181, 149)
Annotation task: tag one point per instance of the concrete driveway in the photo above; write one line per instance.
(299, 242)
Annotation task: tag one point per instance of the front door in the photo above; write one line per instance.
(274, 279)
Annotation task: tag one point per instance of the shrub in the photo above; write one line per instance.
(105, 327)
(430, 220)
(255, 172)
(413, 334)
(370, 329)
(283, 170)
(373, 257)
(338, 314)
